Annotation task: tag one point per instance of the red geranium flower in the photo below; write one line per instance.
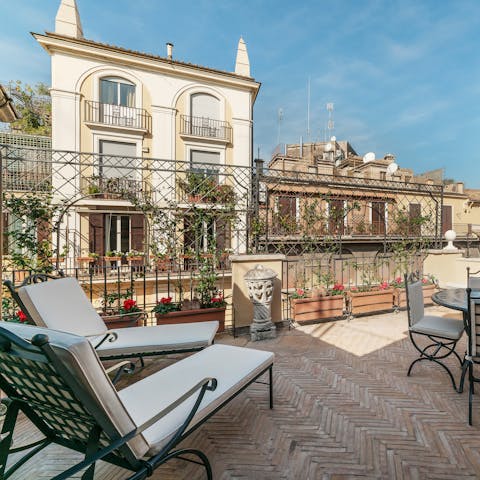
(22, 318)
(129, 304)
(166, 300)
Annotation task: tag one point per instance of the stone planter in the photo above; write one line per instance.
(123, 320)
(400, 296)
(369, 302)
(316, 308)
(193, 316)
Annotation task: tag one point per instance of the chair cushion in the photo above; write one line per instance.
(415, 302)
(90, 382)
(62, 305)
(160, 338)
(439, 326)
(233, 367)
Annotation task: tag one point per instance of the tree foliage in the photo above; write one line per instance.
(34, 107)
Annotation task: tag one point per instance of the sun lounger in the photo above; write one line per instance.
(57, 380)
(61, 304)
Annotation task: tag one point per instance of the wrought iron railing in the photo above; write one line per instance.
(117, 115)
(205, 127)
(105, 187)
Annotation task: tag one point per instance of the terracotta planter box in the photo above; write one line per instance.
(123, 320)
(86, 259)
(400, 296)
(369, 302)
(316, 308)
(192, 316)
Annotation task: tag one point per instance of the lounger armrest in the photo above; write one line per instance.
(110, 336)
(121, 367)
(205, 384)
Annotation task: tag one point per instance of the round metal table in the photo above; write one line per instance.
(454, 298)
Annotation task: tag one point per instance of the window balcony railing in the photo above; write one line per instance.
(111, 188)
(205, 127)
(117, 115)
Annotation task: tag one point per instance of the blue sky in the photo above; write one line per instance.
(404, 76)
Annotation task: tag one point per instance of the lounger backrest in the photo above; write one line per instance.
(69, 393)
(62, 305)
(415, 305)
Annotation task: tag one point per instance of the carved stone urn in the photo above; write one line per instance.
(260, 283)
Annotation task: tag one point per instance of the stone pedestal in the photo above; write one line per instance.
(259, 282)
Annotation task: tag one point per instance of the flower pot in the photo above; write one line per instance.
(85, 259)
(315, 308)
(123, 320)
(400, 296)
(193, 316)
(370, 302)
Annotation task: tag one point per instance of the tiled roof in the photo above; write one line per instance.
(150, 56)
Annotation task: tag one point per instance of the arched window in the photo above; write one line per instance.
(205, 105)
(117, 91)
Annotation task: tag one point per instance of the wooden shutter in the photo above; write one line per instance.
(414, 215)
(137, 233)
(446, 218)
(378, 218)
(96, 233)
(336, 217)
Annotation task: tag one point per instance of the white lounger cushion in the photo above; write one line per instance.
(62, 305)
(142, 340)
(440, 326)
(233, 367)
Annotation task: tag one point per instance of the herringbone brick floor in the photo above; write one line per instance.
(344, 409)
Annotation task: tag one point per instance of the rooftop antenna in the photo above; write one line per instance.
(308, 110)
(331, 123)
(279, 118)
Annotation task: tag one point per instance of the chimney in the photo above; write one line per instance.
(169, 50)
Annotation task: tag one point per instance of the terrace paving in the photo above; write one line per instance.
(344, 409)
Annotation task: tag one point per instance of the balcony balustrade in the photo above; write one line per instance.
(105, 187)
(205, 127)
(117, 116)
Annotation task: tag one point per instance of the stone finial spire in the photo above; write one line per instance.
(242, 64)
(67, 21)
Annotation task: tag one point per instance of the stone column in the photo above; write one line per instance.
(260, 289)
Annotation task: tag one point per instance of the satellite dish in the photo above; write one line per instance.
(392, 168)
(333, 139)
(369, 157)
(328, 147)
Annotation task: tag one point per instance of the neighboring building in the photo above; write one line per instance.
(129, 109)
(326, 189)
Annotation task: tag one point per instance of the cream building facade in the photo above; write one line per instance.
(126, 107)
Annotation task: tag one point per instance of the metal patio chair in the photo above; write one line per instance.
(443, 333)
(473, 352)
(58, 381)
(473, 279)
(61, 304)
